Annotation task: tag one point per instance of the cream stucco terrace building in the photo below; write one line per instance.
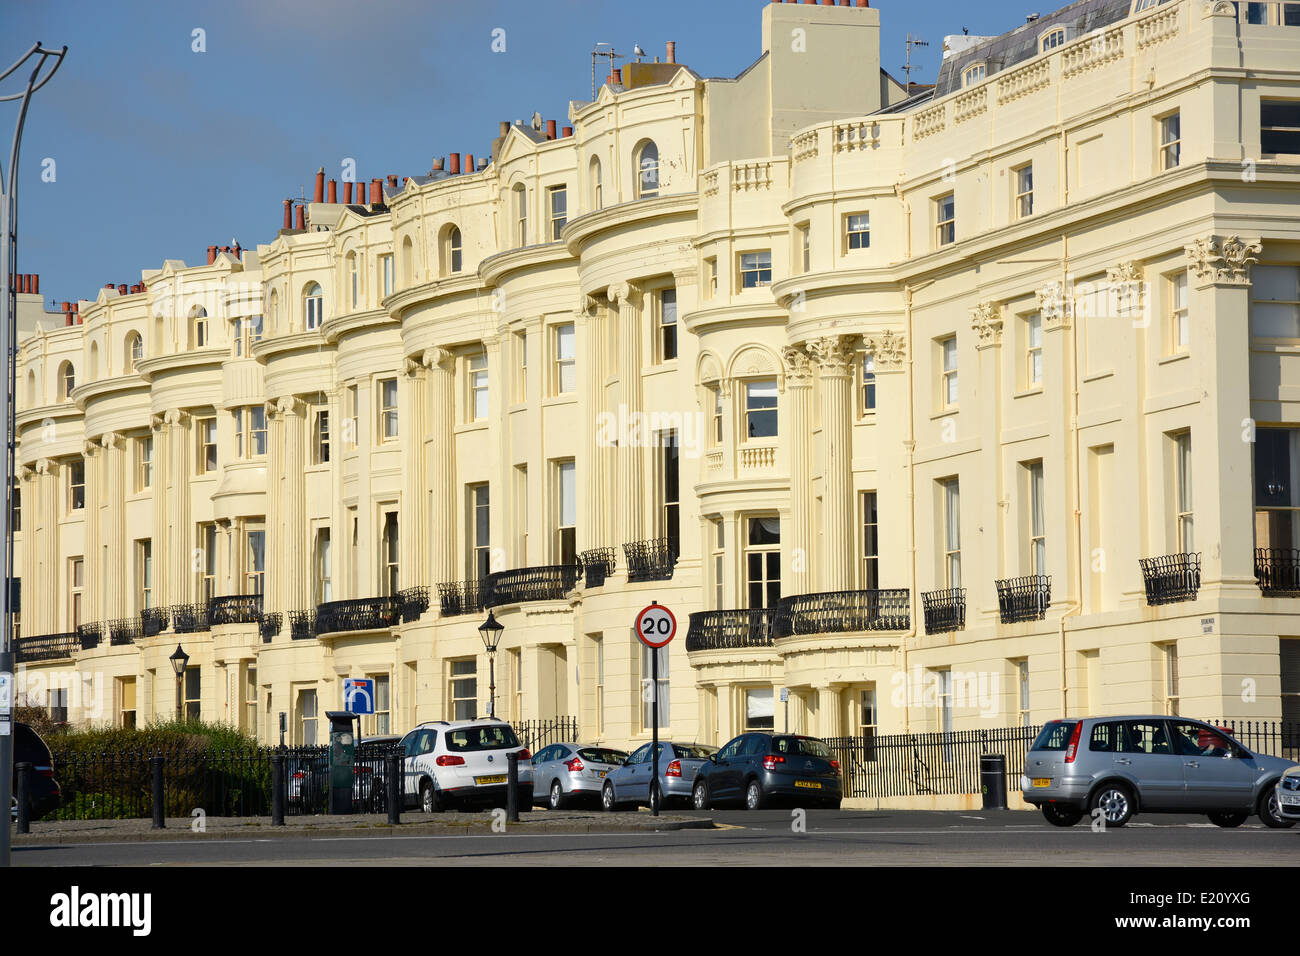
(961, 406)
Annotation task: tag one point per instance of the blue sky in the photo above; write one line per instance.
(161, 151)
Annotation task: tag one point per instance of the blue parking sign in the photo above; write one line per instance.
(359, 695)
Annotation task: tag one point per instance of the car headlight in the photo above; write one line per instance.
(1291, 782)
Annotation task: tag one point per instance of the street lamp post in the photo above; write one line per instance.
(8, 335)
(491, 631)
(179, 659)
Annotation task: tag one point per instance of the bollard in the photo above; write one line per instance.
(394, 789)
(512, 785)
(23, 776)
(993, 781)
(277, 790)
(159, 803)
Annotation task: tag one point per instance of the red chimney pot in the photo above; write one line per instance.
(566, 132)
(672, 51)
(454, 164)
(376, 192)
(36, 284)
(300, 219)
(550, 129)
(320, 185)
(121, 288)
(469, 162)
(288, 214)
(332, 192)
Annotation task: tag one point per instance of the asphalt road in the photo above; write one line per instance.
(764, 838)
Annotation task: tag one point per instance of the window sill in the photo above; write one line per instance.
(1026, 393)
(944, 413)
(478, 426)
(1176, 357)
(565, 398)
(1097, 376)
(659, 368)
(868, 418)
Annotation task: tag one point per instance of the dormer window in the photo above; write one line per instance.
(974, 74)
(1052, 39)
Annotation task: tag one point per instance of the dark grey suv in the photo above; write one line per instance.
(1153, 764)
(757, 768)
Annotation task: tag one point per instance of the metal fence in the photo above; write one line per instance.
(536, 734)
(1271, 737)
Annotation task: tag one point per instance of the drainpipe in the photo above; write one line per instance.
(910, 446)
(1076, 606)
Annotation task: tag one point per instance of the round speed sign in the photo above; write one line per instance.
(656, 625)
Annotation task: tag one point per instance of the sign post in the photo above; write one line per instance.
(655, 627)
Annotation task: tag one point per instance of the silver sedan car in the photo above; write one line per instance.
(630, 786)
(564, 774)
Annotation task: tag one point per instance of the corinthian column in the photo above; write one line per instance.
(116, 580)
(594, 532)
(628, 493)
(275, 595)
(46, 567)
(296, 571)
(164, 589)
(93, 590)
(180, 560)
(834, 357)
(797, 409)
(442, 465)
(415, 532)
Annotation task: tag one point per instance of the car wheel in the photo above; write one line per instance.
(1115, 802)
(429, 798)
(700, 796)
(1269, 814)
(1059, 816)
(607, 798)
(557, 796)
(755, 799)
(1228, 819)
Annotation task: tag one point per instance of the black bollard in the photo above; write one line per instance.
(277, 790)
(23, 776)
(159, 802)
(512, 784)
(394, 789)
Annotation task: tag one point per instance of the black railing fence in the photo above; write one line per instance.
(1277, 570)
(1024, 599)
(716, 630)
(1272, 737)
(519, 585)
(189, 618)
(235, 609)
(461, 597)
(153, 620)
(46, 647)
(363, 614)
(536, 734)
(836, 612)
(307, 779)
(90, 635)
(124, 630)
(269, 626)
(302, 625)
(1171, 577)
(651, 560)
(904, 765)
(415, 601)
(597, 565)
(944, 609)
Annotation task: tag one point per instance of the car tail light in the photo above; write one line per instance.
(835, 765)
(450, 760)
(297, 775)
(361, 770)
(674, 769)
(1073, 746)
(575, 764)
(771, 760)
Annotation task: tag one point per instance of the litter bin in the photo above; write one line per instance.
(993, 781)
(343, 747)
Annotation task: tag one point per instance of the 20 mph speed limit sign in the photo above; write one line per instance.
(656, 625)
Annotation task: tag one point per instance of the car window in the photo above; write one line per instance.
(1199, 740)
(1105, 738)
(640, 755)
(1146, 737)
(730, 748)
(548, 754)
(486, 737)
(1054, 736)
(801, 746)
(408, 745)
(426, 741)
(601, 755)
(694, 750)
(757, 744)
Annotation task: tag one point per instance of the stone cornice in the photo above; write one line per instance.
(579, 232)
(497, 268)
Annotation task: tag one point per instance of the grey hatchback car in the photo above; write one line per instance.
(1119, 766)
(567, 773)
(629, 785)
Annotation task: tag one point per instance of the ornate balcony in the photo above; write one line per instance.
(153, 620)
(945, 610)
(460, 597)
(1171, 577)
(597, 565)
(1025, 598)
(189, 618)
(1277, 571)
(46, 647)
(124, 630)
(362, 614)
(415, 601)
(651, 560)
(519, 585)
(716, 630)
(838, 612)
(90, 635)
(302, 625)
(235, 609)
(269, 626)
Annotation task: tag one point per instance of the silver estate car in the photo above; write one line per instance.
(566, 773)
(629, 786)
(1153, 764)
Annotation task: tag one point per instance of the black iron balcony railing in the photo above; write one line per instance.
(189, 618)
(715, 630)
(269, 626)
(302, 625)
(651, 560)
(90, 635)
(460, 597)
(1277, 571)
(153, 621)
(945, 610)
(597, 565)
(415, 601)
(519, 585)
(837, 612)
(46, 647)
(124, 630)
(235, 609)
(359, 614)
(1171, 577)
(1024, 599)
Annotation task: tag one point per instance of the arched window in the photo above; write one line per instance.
(67, 380)
(647, 170)
(454, 259)
(408, 262)
(354, 280)
(519, 196)
(312, 305)
(198, 327)
(593, 178)
(134, 352)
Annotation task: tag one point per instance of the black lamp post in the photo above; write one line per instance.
(179, 659)
(491, 630)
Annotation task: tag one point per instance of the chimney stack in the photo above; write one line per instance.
(566, 132)
(483, 163)
(504, 128)
(672, 51)
(36, 284)
(212, 254)
(550, 129)
(288, 214)
(453, 165)
(392, 182)
(332, 192)
(438, 163)
(238, 252)
(618, 76)
(319, 195)
(109, 285)
(300, 218)
(469, 162)
(347, 193)
(376, 192)
(121, 288)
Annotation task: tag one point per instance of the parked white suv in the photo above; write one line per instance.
(462, 763)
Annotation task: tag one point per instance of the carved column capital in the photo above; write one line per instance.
(110, 440)
(1054, 306)
(986, 320)
(437, 357)
(24, 473)
(89, 447)
(1222, 261)
(889, 349)
(833, 353)
(175, 416)
(413, 366)
(798, 365)
(624, 293)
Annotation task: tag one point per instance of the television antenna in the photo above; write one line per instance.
(908, 68)
(599, 52)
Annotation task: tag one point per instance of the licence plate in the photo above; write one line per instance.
(1290, 799)
(808, 784)
(496, 779)
(601, 773)
(1042, 781)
